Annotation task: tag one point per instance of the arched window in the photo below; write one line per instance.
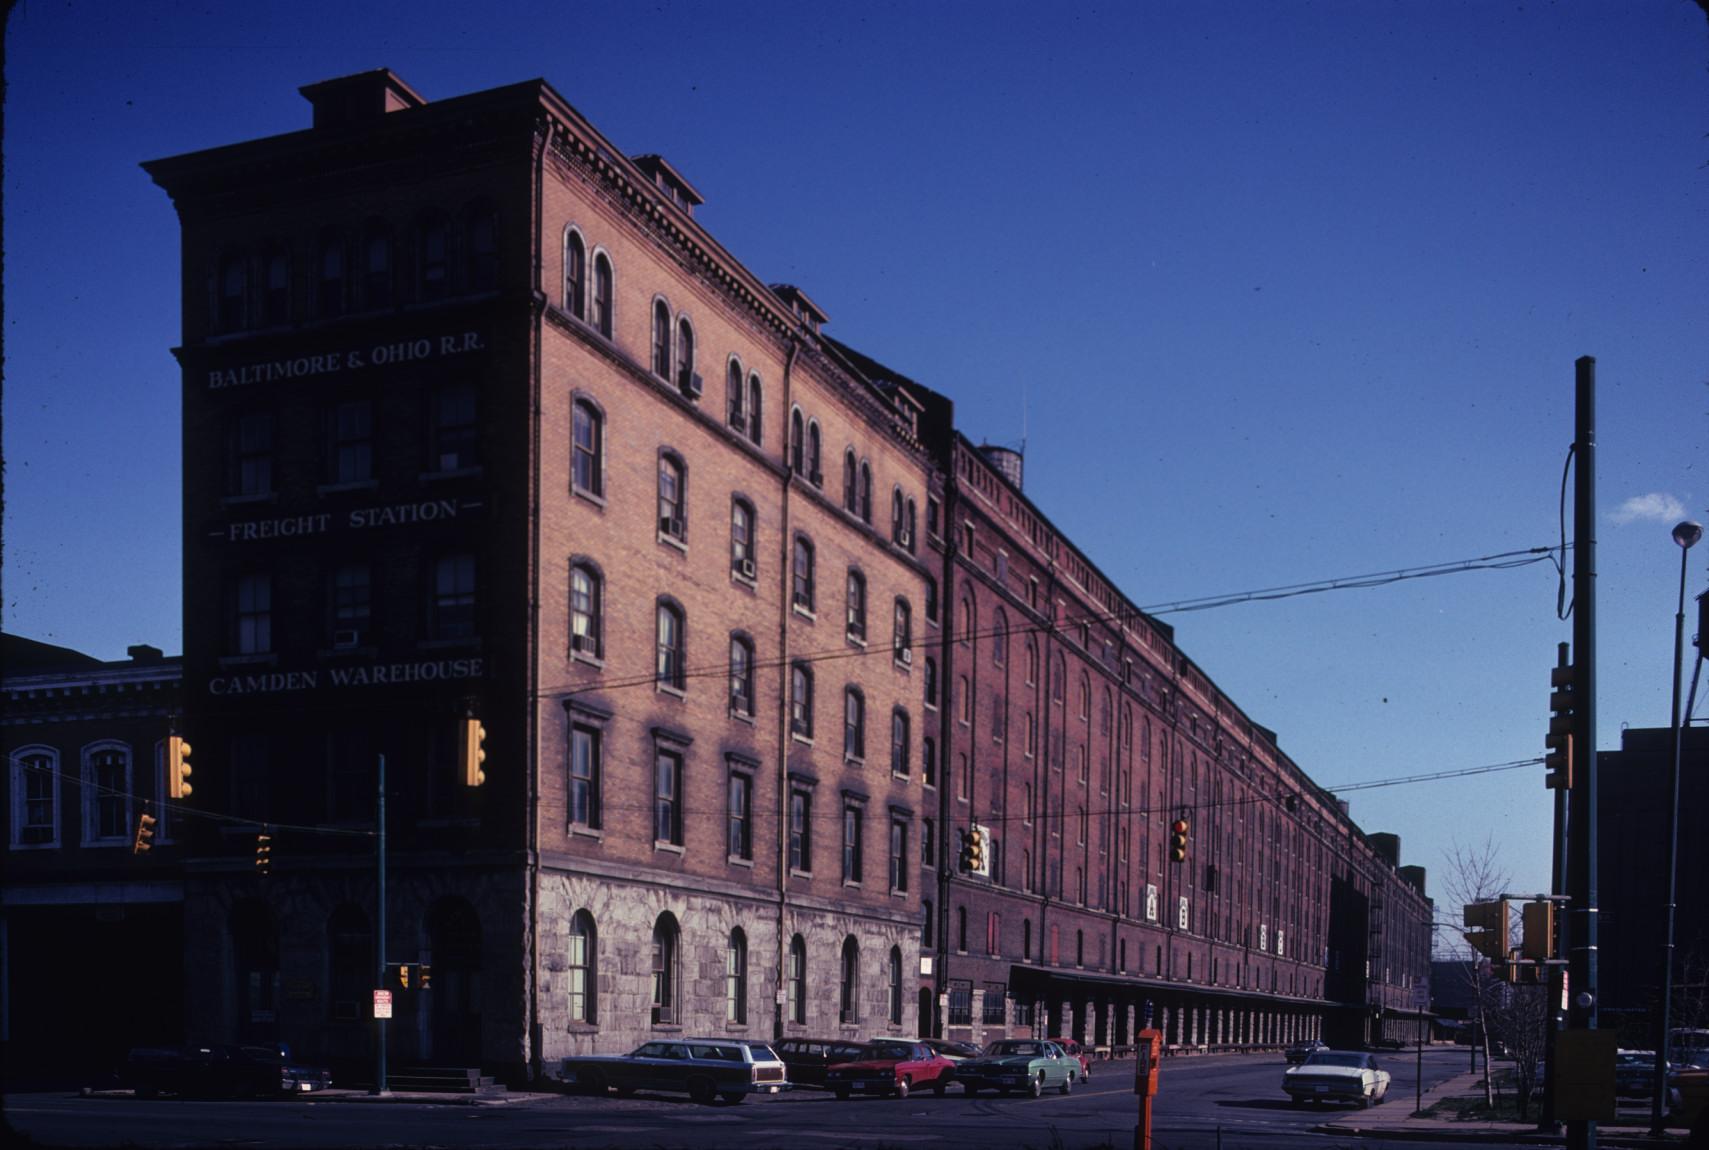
(902, 632)
(234, 291)
(736, 978)
(900, 752)
(744, 549)
(1000, 638)
(276, 298)
(931, 684)
(685, 356)
(797, 442)
(848, 998)
(857, 605)
(672, 646)
(802, 575)
(587, 449)
(582, 972)
(673, 497)
(815, 475)
(896, 506)
(928, 762)
(575, 274)
(908, 528)
(1032, 663)
(1057, 679)
(587, 610)
(35, 796)
(482, 230)
(1026, 929)
(604, 294)
(432, 259)
(106, 792)
(735, 397)
(1104, 709)
(331, 273)
(801, 700)
(756, 408)
(376, 265)
(961, 929)
(741, 675)
(661, 339)
(854, 724)
(865, 492)
(797, 981)
(666, 939)
(851, 485)
(895, 988)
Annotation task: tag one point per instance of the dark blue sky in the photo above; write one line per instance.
(1275, 292)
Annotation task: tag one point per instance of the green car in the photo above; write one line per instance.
(1029, 1065)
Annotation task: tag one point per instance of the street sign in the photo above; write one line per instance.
(382, 1004)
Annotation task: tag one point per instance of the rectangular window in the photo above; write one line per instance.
(456, 433)
(740, 816)
(960, 1003)
(667, 794)
(584, 776)
(452, 605)
(928, 842)
(800, 832)
(853, 817)
(996, 1005)
(106, 792)
(899, 861)
(350, 442)
(352, 605)
(249, 456)
(252, 615)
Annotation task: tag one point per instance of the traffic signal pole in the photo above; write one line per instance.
(380, 940)
(1581, 800)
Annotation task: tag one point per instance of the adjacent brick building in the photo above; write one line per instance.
(479, 422)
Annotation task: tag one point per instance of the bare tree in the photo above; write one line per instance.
(1521, 1023)
(1474, 874)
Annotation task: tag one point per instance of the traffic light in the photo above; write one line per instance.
(1538, 931)
(1178, 840)
(1486, 924)
(263, 854)
(423, 976)
(470, 736)
(144, 832)
(1562, 722)
(177, 767)
(403, 975)
(976, 849)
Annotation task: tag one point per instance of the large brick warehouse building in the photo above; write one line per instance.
(480, 423)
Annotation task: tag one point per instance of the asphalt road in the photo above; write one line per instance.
(1232, 1102)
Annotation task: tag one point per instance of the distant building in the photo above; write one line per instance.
(480, 423)
(92, 935)
(1632, 809)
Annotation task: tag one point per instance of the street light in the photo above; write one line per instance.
(1685, 534)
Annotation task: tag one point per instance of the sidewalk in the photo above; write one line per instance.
(1395, 1119)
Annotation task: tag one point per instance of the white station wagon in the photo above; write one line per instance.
(1337, 1076)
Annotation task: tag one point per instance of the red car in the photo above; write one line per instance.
(891, 1066)
(1074, 1050)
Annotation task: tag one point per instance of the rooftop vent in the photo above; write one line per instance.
(670, 181)
(805, 309)
(143, 653)
(364, 96)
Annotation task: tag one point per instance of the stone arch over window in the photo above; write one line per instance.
(581, 969)
(667, 939)
(575, 272)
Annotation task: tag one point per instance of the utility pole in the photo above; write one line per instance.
(380, 939)
(1581, 801)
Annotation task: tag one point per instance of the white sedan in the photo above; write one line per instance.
(1337, 1076)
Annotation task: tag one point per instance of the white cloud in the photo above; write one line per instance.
(1655, 507)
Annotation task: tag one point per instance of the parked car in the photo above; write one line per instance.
(1077, 1052)
(891, 1066)
(703, 1068)
(1337, 1076)
(219, 1071)
(1388, 1042)
(1300, 1051)
(807, 1059)
(1028, 1064)
(1635, 1073)
(954, 1051)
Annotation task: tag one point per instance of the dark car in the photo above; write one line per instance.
(1079, 1053)
(954, 1051)
(891, 1066)
(1300, 1051)
(217, 1071)
(807, 1059)
(703, 1068)
(1635, 1073)
(1025, 1064)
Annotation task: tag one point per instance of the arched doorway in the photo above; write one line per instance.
(454, 1006)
